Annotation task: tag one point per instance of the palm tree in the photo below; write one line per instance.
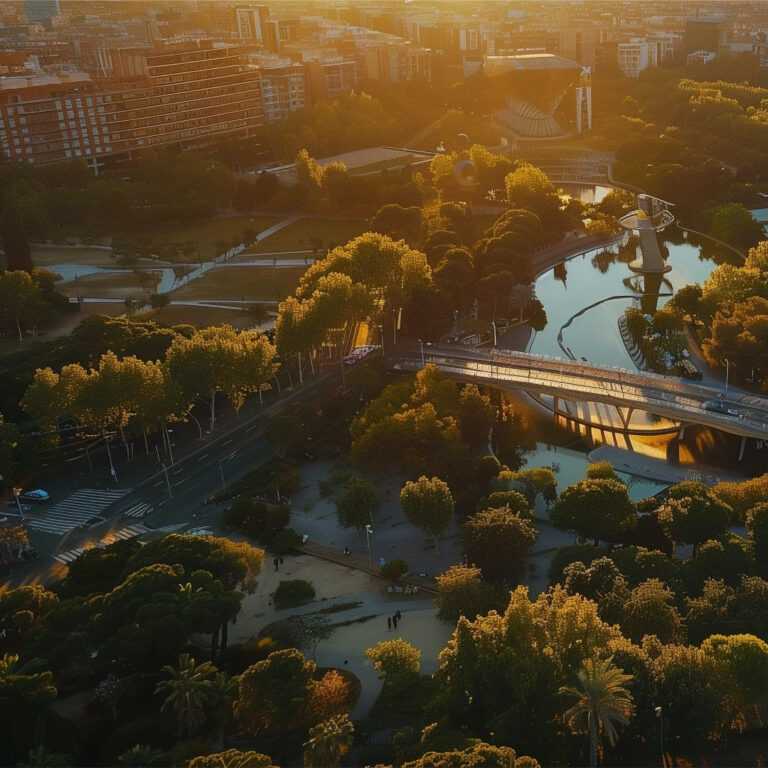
(602, 701)
(140, 756)
(328, 742)
(221, 697)
(188, 686)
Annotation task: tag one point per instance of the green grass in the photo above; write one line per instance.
(201, 317)
(105, 285)
(205, 232)
(295, 237)
(250, 283)
(47, 256)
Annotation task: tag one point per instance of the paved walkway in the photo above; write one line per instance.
(658, 469)
(361, 564)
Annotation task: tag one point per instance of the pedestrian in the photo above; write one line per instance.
(275, 561)
(389, 624)
(394, 622)
(281, 560)
(398, 615)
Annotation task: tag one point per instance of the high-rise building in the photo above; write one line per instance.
(41, 11)
(704, 33)
(45, 118)
(637, 55)
(181, 95)
(251, 23)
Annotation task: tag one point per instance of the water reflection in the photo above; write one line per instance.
(602, 273)
(570, 466)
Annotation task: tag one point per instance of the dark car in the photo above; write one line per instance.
(93, 521)
(36, 496)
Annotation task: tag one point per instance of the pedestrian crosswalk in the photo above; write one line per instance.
(129, 532)
(73, 511)
(139, 510)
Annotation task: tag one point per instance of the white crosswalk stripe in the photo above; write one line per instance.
(73, 511)
(129, 532)
(139, 510)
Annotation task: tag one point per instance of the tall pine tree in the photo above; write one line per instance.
(15, 245)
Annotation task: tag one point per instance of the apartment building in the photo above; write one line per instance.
(283, 90)
(181, 97)
(45, 118)
(637, 55)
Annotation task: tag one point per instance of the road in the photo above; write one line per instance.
(176, 493)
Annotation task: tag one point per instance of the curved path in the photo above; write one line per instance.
(675, 399)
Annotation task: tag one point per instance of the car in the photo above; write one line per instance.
(718, 406)
(36, 496)
(93, 521)
(358, 353)
(199, 532)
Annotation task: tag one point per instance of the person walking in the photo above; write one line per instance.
(281, 560)
(398, 615)
(389, 624)
(275, 562)
(394, 622)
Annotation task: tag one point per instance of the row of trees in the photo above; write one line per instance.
(129, 391)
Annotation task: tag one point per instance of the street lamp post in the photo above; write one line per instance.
(727, 372)
(495, 340)
(16, 492)
(381, 337)
(221, 468)
(660, 714)
(167, 481)
(394, 327)
(368, 533)
(421, 345)
(109, 454)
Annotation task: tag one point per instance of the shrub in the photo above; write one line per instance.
(564, 556)
(293, 592)
(394, 569)
(283, 543)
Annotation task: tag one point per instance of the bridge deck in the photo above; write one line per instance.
(673, 398)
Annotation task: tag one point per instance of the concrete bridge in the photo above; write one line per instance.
(676, 399)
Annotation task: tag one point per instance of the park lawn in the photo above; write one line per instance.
(104, 285)
(200, 317)
(47, 256)
(238, 283)
(295, 237)
(206, 232)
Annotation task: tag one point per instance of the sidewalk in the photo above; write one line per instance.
(360, 564)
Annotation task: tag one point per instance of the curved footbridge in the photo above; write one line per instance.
(673, 398)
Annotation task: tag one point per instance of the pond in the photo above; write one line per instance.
(570, 466)
(585, 296)
(169, 278)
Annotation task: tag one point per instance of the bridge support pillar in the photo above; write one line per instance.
(681, 433)
(556, 408)
(742, 447)
(625, 415)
